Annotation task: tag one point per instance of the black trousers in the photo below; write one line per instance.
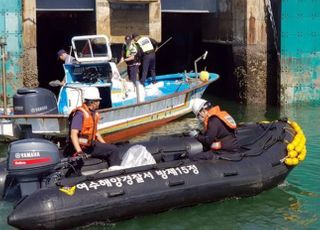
(133, 72)
(148, 66)
(105, 151)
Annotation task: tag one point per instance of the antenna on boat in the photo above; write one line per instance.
(203, 56)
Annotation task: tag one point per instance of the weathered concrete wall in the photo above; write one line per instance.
(300, 51)
(250, 50)
(241, 23)
(256, 80)
(102, 17)
(117, 18)
(29, 58)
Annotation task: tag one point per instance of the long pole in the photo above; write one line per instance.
(4, 83)
(164, 43)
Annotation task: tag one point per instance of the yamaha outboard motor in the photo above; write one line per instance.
(34, 101)
(30, 161)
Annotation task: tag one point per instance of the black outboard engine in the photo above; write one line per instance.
(34, 101)
(30, 161)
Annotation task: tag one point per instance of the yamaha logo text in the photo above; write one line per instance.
(27, 155)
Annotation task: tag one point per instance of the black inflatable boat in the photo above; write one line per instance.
(50, 199)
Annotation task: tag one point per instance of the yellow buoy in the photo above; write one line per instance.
(288, 161)
(204, 76)
(301, 132)
(299, 148)
(295, 143)
(302, 156)
(295, 161)
(299, 136)
(290, 147)
(292, 154)
(297, 129)
(294, 124)
(291, 161)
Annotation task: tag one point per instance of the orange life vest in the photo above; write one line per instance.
(89, 126)
(225, 118)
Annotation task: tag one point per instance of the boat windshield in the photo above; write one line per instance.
(91, 48)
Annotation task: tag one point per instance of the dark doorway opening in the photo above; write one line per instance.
(179, 53)
(54, 32)
(187, 45)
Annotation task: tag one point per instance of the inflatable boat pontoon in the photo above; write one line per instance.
(52, 200)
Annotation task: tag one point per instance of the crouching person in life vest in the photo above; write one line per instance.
(84, 135)
(218, 133)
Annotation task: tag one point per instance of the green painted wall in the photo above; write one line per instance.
(11, 29)
(300, 51)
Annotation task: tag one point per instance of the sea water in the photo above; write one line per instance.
(295, 204)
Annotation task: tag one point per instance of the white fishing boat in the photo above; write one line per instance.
(126, 108)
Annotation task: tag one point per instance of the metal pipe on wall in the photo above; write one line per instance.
(3, 43)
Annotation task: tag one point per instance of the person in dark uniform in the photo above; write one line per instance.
(219, 129)
(148, 47)
(84, 134)
(130, 55)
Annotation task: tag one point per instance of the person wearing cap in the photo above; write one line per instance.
(219, 129)
(63, 56)
(130, 56)
(84, 135)
(147, 47)
(67, 59)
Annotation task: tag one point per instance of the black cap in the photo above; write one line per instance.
(135, 35)
(60, 52)
(128, 38)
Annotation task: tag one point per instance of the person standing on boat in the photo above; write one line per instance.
(219, 129)
(84, 134)
(130, 56)
(147, 47)
(66, 58)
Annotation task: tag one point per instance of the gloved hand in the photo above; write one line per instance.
(82, 154)
(193, 133)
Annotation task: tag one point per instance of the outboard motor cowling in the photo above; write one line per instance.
(30, 161)
(34, 101)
